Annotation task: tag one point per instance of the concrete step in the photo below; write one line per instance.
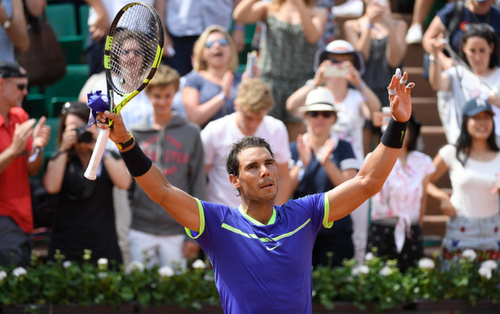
(434, 138)
(414, 56)
(422, 87)
(425, 110)
(433, 206)
(434, 225)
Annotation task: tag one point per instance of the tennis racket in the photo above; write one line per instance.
(132, 54)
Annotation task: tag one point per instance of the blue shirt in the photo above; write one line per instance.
(209, 90)
(316, 179)
(263, 268)
(446, 14)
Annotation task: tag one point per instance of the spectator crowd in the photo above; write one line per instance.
(316, 98)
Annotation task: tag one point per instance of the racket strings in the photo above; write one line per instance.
(133, 49)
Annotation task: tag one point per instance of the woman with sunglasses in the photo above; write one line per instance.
(210, 89)
(398, 209)
(473, 164)
(474, 12)
(323, 161)
(477, 76)
(85, 217)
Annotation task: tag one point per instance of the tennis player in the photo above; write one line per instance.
(261, 253)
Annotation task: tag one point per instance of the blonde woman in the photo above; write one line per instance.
(210, 89)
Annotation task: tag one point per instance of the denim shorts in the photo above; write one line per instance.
(472, 233)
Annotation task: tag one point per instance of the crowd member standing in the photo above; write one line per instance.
(322, 162)
(252, 103)
(293, 29)
(184, 22)
(13, 32)
(209, 90)
(381, 39)
(21, 155)
(175, 147)
(85, 216)
(480, 51)
(397, 211)
(473, 164)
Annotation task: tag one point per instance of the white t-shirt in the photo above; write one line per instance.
(217, 138)
(473, 186)
(465, 86)
(350, 122)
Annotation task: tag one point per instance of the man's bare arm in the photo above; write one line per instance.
(180, 205)
(372, 175)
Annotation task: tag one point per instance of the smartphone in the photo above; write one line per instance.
(336, 70)
(382, 2)
(251, 63)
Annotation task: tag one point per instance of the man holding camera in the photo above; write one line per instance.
(21, 147)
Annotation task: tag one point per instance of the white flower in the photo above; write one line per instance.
(490, 264)
(3, 275)
(199, 264)
(102, 262)
(469, 255)
(369, 256)
(66, 264)
(166, 271)
(426, 263)
(362, 269)
(485, 272)
(102, 274)
(385, 271)
(19, 271)
(135, 266)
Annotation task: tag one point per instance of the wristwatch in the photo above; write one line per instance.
(6, 24)
(126, 144)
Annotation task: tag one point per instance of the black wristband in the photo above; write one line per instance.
(394, 134)
(136, 161)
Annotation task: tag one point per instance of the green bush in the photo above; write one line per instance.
(377, 283)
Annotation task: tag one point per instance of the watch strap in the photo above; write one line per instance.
(126, 144)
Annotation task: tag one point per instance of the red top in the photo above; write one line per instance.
(15, 196)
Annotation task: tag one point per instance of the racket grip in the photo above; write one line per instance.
(95, 160)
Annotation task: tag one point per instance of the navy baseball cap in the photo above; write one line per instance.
(11, 69)
(475, 106)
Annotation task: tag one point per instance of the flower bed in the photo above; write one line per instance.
(376, 285)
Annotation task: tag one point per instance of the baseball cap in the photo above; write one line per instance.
(319, 99)
(475, 106)
(11, 69)
(340, 47)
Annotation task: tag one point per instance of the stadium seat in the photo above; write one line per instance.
(35, 105)
(67, 89)
(62, 17)
(83, 13)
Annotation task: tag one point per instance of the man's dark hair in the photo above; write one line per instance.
(232, 163)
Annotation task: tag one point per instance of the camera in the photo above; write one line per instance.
(336, 70)
(84, 136)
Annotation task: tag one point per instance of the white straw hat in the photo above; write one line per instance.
(319, 99)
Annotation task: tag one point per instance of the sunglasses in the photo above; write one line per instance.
(21, 87)
(326, 114)
(479, 27)
(222, 42)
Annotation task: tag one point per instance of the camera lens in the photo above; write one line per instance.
(84, 136)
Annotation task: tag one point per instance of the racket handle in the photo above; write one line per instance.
(95, 160)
